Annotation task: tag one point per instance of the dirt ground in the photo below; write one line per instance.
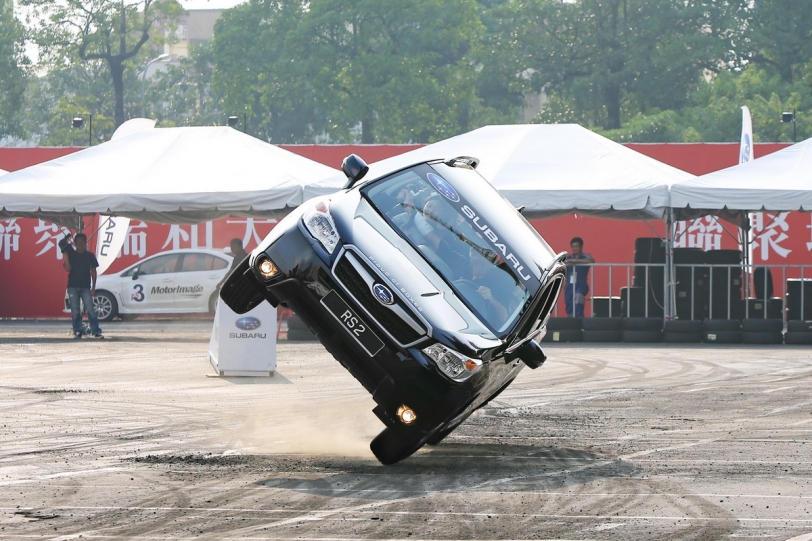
(127, 438)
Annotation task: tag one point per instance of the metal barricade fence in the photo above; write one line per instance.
(701, 291)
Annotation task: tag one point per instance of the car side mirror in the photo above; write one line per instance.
(355, 168)
(135, 274)
(531, 354)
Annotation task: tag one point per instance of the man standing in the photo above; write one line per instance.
(238, 252)
(81, 266)
(577, 272)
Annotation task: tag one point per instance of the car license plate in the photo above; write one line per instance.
(354, 325)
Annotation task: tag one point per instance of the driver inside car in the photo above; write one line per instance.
(494, 285)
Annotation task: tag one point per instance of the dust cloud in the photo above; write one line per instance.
(299, 424)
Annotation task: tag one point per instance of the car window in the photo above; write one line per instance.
(462, 255)
(159, 265)
(201, 262)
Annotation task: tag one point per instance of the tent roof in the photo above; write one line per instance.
(781, 181)
(165, 174)
(551, 169)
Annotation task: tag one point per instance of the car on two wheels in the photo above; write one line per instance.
(173, 282)
(425, 283)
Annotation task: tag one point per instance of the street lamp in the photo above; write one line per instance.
(79, 122)
(160, 58)
(233, 120)
(786, 116)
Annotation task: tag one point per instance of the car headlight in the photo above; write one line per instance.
(454, 365)
(321, 226)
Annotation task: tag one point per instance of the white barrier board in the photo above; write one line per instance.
(243, 344)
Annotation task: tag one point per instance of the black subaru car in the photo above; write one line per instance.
(425, 283)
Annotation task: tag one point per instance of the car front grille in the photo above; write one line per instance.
(387, 318)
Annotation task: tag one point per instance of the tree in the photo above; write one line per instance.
(257, 71)
(333, 70)
(596, 55)
(13, 71)
(55, 98)
(112, 31)
(397, 70)
(781, 38)
(183, 94)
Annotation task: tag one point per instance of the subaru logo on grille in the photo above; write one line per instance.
(247, 323)
(444, 188)
(383, 294)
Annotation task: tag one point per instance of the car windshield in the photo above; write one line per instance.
(418, 204)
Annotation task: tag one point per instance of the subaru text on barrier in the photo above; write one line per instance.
(425, 283)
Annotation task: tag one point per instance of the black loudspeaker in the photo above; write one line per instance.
(799, 292)
(763, 280)
(756, 308)
(633, 303)
(649, 248)
(600, 307)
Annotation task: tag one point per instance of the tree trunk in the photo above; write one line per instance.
(367, 136)
(611, 99)
(117, 74)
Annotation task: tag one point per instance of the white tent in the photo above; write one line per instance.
(165, 174)
(552, 169)
(781, 181)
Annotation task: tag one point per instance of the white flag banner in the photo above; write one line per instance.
(746, 147)
(111, 237)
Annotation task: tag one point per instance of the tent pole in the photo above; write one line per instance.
(670, 293)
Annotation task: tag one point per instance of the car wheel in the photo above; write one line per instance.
(213, 302)
(105, 306)
(394, 444)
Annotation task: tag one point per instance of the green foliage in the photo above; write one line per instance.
(369, 70)
(182, 94)
(406, 71)
(13, 72)
(113, 31)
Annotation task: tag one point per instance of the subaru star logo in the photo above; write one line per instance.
(247, 323)
(383, 294)
(444, 188)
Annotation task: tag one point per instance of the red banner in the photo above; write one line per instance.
(32, 280)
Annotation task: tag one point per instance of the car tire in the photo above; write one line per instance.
(643, 324)
(213, 302)
(723, 325)
(564, 336)
(642, 337)
(722, 337)
(603, 336)
(683, 326)
(105, 306)
(394, 444)
(798, 337)
(601, 324)
(682, 337)
(564, 323)
(762, 337)
(762, 325)
(799, 325)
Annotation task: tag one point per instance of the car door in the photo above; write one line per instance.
(150, 287)
(197, 280)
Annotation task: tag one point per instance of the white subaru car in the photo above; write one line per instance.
(174, 282)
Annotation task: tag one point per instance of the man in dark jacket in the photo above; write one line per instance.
(81, 266)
